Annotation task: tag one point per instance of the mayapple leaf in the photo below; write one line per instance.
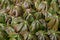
(36, 3)
(25, 26)
(18, 27)
(9, 30)
(42, 6)
(31, 36)
(21, 27)
(40, 35)
(42, 24)
(29, 17)
(34, 26)
(16, 20)
(48, 16)
(53, 7)
(55, 27)
(53, 35)
(50, 23)
(26, 5)
(24, 34)
(37, 15)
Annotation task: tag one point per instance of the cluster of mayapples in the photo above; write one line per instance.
(29, 19)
